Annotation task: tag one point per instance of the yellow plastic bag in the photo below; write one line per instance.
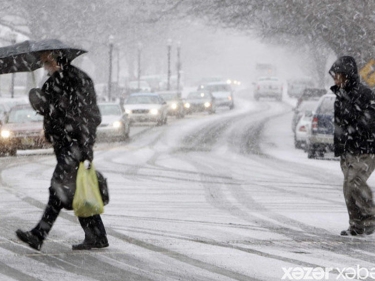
(87, 200)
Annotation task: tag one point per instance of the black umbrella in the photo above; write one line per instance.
(25, 56)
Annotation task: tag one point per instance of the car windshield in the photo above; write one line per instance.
(308, 105)
(110, 109)
(218, 88)
(220, 94)
(168, 97)
(326, 106)
(142, 100)
(24, 115)
(197, 95)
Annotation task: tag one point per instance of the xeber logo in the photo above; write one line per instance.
(320, 273)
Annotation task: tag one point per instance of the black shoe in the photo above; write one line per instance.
(352, 232)
(88, 245)
(369, 230)
(29, 238)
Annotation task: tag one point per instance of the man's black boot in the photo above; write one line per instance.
(28, 237)
(92, 244)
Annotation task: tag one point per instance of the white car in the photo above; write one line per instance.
(268, 87)
(302, 129)
(146, 107)
(221, 91)
(115, 122)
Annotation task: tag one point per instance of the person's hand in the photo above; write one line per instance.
(87, 164)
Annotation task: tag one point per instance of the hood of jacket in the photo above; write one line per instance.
(346, 65)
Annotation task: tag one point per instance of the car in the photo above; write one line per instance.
(306, 105)
(200, 101)
(23, 129)
(268, 87)
(175, 103)
(320, 135)
(311, 93)
(221, 91)
(146, 107)
(302, 127)
(115, 122)
(298, 85)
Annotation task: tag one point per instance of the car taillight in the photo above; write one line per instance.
(302, 129)
(258, 87)
(314, 124)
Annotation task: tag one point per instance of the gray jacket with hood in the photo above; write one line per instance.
(354, 112)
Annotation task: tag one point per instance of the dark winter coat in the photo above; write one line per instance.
(73, 112)
(354, 112)
(70, 125)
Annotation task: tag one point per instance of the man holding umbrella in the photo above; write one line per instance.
(71, 116)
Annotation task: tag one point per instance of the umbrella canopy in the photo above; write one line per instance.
(25, 56)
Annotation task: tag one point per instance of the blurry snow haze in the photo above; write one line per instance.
(142, 29)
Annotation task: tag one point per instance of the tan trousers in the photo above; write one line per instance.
(358, 195)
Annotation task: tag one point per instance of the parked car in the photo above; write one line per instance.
(302, 129)
(23, 129)
(221, 91)
(269, 87)
(311, 93)
(306, 105)
(146, 107)
(175, 103)
(297, 86)
(320, 135)
(115, 122)
(200, 101)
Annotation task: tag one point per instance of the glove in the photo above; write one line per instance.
(87, 164)
(87, 154)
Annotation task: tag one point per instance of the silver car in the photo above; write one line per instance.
(146, 107)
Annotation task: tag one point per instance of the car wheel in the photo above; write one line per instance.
(165, 120)
(297, 144)
(125, 134)
(231, 106)
(12, 151)
(311, 153)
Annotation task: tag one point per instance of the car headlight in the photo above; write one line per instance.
(117, 124)
(229, 98)
(154, 111)
(5, 134)
(207, 104)
(174, 105)
(128, 111)
(187, 105)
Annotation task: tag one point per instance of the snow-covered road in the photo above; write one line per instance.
(207, 197)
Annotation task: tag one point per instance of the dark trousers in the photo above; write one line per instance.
(92, 226)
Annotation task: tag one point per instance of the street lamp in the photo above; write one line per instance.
(169, 64)
(12, 37)
(139, 64)
(178, 64)
(110, 41)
